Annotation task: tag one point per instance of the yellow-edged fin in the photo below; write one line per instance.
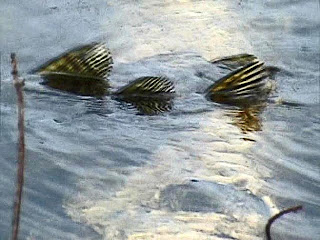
(148, 86)
(245, 85)
(93, 60)
(235, 61)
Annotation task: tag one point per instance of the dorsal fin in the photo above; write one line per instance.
(146, 86)
(93, 60)
(235, 61)
(242, 86)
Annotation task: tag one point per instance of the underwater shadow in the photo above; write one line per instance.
(76, 84)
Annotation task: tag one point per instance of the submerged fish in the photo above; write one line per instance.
(85, 71)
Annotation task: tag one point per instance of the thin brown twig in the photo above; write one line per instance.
(21, 148)
(278, 215)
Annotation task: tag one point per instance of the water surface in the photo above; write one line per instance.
(96, 169)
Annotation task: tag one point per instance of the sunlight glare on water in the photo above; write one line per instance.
(98, 170)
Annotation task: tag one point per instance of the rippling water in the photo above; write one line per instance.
(98, 170)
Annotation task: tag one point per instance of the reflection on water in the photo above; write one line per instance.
(176, 196)
(247, 119)
(148, 106)
(77, 84)
(94, 166)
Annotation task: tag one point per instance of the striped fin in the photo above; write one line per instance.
(235, 61)
(245, 85)
(145, 86)
(93, 60)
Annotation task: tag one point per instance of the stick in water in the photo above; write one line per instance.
(18, 84)
(278, 215)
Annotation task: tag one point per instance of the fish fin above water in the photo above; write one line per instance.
(244, 86)
(149, 95)
(92, 60)
(235, 61)
(148, 86)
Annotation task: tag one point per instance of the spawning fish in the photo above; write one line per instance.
(85, 71)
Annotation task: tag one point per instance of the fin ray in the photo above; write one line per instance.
(146, 86)
(234, 61)
(93, 60)
(244, 85)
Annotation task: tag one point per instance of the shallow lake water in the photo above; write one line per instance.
(98, 169)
